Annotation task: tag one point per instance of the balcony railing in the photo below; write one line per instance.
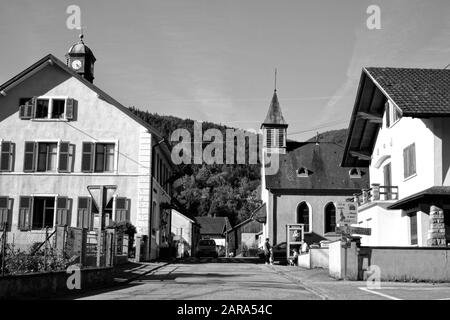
(376, 193)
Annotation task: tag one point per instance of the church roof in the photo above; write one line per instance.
(321, 170)
(274, 115)
(80, 48)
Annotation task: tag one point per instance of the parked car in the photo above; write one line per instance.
(207, 247)
(279, 252)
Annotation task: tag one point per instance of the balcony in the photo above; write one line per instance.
(375, 194)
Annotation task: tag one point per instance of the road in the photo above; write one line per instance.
(209, 280)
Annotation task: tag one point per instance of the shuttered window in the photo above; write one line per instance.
(87, 161)
(29, 156)
(62, 211)
(65, 157)
(6, 156)
(4, 212)
(122, 209)
(98, 157)
(47, 108)
(25, 206)
(85, 217)
(409, 160)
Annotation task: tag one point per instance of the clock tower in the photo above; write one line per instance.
(81, 60)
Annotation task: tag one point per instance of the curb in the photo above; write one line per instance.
(309, 288)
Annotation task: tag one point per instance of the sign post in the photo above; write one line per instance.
(101, 195)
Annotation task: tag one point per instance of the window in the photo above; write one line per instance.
(275, 138)
(43, 156)
(302, 172)
(413, 227)
(6, 156)
(42, 108)
(47, 157)
(409, 161)
(41, 111)
(97, 157)
(4, 212)
(355, 173)
(43, 212)
(330, 217)
(303, 215)
(58, 108)
(122, 210)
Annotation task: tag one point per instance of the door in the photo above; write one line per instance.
(387, 181)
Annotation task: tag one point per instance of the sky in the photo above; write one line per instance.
(214, 60)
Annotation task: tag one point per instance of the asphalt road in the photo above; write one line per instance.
(210, 281)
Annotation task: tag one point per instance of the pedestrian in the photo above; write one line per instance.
(267, 251)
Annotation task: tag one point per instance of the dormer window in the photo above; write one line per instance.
(355, 173)
(47, 108)
(303, 172)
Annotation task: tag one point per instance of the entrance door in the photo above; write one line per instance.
(387, 181)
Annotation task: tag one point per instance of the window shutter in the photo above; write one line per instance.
(412, 159)
(29, 157)
(388, 115)
(6, 155)
(122, 210)
(70, 106)
(4, 211)
(22, 110)
(25, 205)
(87, 161)
(64, 157)
(62, 211)
(84, 213)
(31, 107)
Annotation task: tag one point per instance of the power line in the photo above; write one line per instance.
(322, 126)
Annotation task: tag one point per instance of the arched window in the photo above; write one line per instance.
(330, 217)
(303, 215)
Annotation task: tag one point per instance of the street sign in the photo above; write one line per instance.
(346, 213)
(353, 230)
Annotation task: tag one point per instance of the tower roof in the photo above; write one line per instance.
(81, 48)
(274, 116)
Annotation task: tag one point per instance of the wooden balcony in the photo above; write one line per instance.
(376, 193)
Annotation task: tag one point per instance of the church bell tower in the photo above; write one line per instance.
(81, 59)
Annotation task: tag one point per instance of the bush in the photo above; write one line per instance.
(21, 262)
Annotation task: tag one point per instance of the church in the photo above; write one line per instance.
(59, 134)
(309, 181)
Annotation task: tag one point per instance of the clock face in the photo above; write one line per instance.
(76, 64)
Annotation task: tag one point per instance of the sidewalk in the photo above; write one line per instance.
(320, 283)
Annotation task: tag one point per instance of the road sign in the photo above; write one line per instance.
(346, 213)
(354, 230)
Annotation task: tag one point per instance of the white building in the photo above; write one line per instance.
(400, 127)
(60, 133)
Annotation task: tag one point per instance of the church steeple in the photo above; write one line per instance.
(274, 127)
(81, 59)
